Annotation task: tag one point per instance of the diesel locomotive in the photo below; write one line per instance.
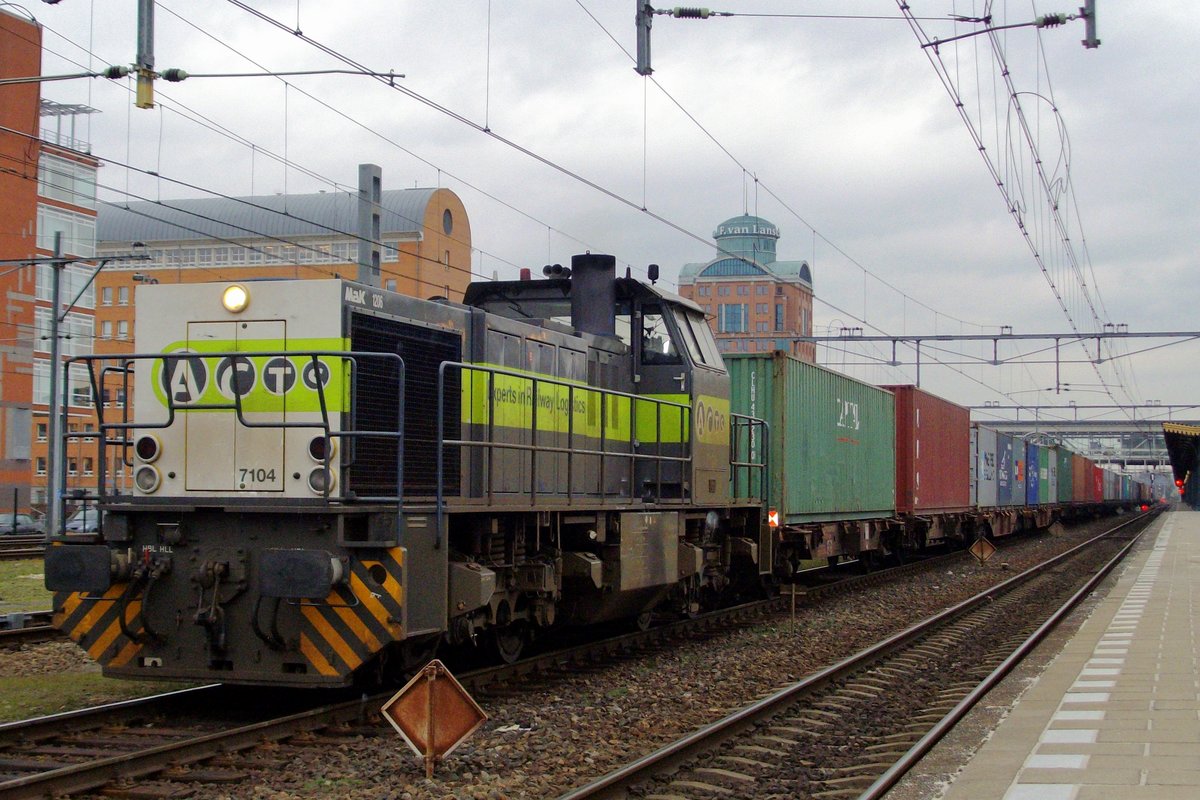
(330, 479)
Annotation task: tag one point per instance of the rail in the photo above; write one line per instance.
(673, 757)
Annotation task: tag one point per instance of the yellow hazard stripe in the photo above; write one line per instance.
(127, 653)
(357, 626)
(114, 630)
(99, 609)
(374, 607)
(394, 586)
(67, 608)
(315, 657)
(326, 632)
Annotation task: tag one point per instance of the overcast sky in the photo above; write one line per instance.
(844, 122)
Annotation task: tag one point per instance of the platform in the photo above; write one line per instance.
(1116, 716)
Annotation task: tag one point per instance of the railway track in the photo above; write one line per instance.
(13, 548)
(27, 627)
(853, 729)
(159, 745)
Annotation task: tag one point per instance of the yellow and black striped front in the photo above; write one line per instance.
(312, 642)
(357, 619)
(93, 621)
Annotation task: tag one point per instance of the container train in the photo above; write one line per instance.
(329, 479)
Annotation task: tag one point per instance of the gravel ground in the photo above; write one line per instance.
(45, 658)
(568, 730)
(573, 729)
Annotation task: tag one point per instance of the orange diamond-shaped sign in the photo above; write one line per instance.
(434, 713)
(982, 549)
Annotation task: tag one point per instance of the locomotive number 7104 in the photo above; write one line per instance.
(259, 475)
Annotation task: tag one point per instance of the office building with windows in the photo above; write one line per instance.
(754, 302)
(47, 187)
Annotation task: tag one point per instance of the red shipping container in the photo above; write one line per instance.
(1097, 484)
(933, 453)
(1081, 479)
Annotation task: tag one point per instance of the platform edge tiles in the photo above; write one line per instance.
(1116, 714)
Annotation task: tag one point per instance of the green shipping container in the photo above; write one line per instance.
(833, 438)
(1065, 475)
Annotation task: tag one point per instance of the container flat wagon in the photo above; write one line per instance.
(832, 445)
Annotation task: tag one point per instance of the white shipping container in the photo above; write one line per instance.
(985, 462)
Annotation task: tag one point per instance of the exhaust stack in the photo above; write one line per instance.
(594, 294)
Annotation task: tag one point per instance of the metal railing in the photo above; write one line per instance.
(749, 458)
(116, 434)
(529, 412)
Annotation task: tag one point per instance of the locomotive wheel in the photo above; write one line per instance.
(509, 642)
(418, 654)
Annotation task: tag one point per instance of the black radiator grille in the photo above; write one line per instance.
(423, 350)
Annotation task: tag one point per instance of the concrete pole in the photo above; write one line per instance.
(55, 467)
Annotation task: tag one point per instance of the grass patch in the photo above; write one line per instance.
(38, 695)
(21, 586)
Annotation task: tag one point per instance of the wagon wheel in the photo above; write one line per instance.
(509, 642)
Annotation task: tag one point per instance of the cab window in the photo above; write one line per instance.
(698, 336)
(658, 346)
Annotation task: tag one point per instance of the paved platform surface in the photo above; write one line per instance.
(1117, 715)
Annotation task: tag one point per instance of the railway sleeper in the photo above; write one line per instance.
(817, 711)
(758, 749)
(861, 770)
(725, 775)
(744, 762)
(204, 775)
(700, 786)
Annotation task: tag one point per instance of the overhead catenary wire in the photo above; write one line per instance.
(1037, 250)
(200, 119)
(888, 284)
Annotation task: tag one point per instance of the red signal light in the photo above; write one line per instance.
(1179, 481)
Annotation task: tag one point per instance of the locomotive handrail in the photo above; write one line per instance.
(489, 443)
(749, 426)
(349, 358)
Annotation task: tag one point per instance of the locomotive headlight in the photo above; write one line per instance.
(321, 480)
(147, 478)
(319, 446)
(147, 448)
(235, 298)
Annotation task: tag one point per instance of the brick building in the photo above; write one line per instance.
(47, 186)
(754, 302)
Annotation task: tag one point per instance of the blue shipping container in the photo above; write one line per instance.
(1032, 481)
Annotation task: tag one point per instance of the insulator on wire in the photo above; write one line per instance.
(1051, 20)
(174, 75)
(683, 12)
(116, 71)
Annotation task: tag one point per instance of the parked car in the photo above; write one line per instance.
(19, 525)
(85, 520)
